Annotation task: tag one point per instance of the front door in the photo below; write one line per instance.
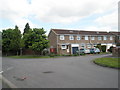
(74, 49)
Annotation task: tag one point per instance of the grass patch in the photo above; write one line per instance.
(105, 53)
(108, 62)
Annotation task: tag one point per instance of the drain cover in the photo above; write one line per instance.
(48, 72)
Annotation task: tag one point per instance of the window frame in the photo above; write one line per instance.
(71, 37)
(63, 47)
(99, 37)
(78, 37)
(92, 37)
(86, 37)
(62, 36)
(104, 37)
(111, 37)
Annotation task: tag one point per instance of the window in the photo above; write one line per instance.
(82, 45)
(63, 46)
(105, 37)
(111, 38)
(92, 38)
(62, 37)
(88, 45)
(86, 37)
(78, 37)
(99, 38)
(94, 45)
(71, 37)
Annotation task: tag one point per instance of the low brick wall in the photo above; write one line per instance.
(116, 52)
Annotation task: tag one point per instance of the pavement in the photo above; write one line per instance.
(64, 72)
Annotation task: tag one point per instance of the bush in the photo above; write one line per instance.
(45, 52)
(52, 55)
(103, 47)
(110, 49)
(75, 54)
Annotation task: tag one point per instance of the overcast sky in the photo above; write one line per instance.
(101, 15)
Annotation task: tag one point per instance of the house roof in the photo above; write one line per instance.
(63, 31)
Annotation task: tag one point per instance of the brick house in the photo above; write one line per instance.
(68, 41)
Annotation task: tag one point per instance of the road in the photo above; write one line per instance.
(64, 72)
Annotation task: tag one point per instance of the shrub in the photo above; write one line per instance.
(103, 47)
(52, 55)
(75, 54)
(110, 49)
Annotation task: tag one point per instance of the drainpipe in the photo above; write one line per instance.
(57, 44)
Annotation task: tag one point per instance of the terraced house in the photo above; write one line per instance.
(68, 41)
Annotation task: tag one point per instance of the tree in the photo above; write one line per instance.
(36, 40)
(6, 40)
(11, 40)
(99, 46)
(27, 28)
(16, 40)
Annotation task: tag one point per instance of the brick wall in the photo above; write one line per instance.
(116, 52)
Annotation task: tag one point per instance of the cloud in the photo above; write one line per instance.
(67, 11)
(55, 11)
(109, 20)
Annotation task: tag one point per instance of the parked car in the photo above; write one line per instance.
(94, 50)
(83, 51)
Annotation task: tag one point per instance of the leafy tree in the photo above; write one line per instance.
(36, 40)
(11, 40)
(16, 40)
(7, 36)
(27, 28)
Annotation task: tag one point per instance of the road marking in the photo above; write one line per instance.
(1, 72)
(9, 68)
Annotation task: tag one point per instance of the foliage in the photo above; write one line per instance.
(36, 40)
(11, 40)
(99, 46)
(26, 29)
(52, 55)
(110, 49)
(103, 48)
(6, 40)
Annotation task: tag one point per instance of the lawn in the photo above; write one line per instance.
(108, 62)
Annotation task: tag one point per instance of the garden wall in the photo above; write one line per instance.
(116, 52)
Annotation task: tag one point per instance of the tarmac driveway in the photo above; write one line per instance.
(64, 72)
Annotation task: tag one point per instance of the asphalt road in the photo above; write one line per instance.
(65, 72)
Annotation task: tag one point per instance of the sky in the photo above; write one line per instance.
(90, 15)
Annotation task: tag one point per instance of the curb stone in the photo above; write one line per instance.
(11, 85)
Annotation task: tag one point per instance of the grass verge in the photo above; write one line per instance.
(108, 62)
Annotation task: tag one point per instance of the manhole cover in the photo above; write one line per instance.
(48, 72)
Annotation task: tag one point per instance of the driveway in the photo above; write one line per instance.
(65, 72)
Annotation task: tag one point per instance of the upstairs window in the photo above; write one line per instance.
(62, 37)
(92, 38)
(78, 37)
(86, 37)
(88, 45)
(111, 38)
(99, 38)
(83, 45)
(71, 37)
(105, 37)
